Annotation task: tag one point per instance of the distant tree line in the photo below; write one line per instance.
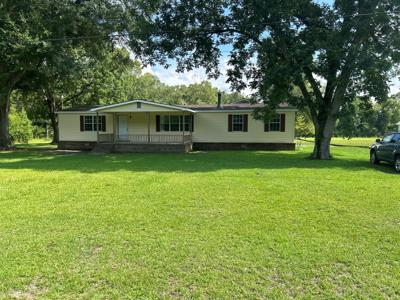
(360, 118)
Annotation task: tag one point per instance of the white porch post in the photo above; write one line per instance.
(97, 126)
(191, 126)
(148, 127)
(183, 129)
(114, 127)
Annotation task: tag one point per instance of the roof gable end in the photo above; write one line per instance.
(145, 106)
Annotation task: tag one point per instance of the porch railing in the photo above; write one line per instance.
(146, 139)
(106, 138)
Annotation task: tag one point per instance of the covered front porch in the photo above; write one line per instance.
(144, 138)
(141, 123)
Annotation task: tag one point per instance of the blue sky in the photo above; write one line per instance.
(171, 77)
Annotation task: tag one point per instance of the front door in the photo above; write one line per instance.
(122, 127)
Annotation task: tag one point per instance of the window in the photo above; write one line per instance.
(187, 122)
(175, 123)
(391, 138)
(277, 123)
(237, 123)
(139, 104)
(388, 138)
(89, 123)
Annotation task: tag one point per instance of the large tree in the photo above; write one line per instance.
(77, 78)
(34, 32)
(331, 53)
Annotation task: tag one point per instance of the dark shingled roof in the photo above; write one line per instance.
(240, 105)
(201, 107)
(232, 106)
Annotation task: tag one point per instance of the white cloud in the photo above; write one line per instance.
(171, 77)
(395, 86)
(147, 69)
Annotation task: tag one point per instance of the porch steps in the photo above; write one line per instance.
(103, 148)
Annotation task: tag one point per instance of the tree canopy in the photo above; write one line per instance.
(68, 53)
(76, 79)
(331, 53)
(321, 58)
(109, 78)
(38, 34)
(362, 118)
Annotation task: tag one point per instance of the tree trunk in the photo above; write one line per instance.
(322, 148)
(5, 139)
(54, 126)
(51, 103)
(323, 135)
(6, 88)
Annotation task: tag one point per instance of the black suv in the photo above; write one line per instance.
(387, 150)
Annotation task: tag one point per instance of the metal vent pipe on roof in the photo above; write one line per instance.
(219, 103)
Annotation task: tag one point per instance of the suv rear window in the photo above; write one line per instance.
(388, 138)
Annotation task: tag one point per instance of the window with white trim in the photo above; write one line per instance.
(275, 123)
(237, 122)
(90, 123)
(175, 123)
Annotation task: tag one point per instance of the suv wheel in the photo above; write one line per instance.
(397, 164)
(373, 159)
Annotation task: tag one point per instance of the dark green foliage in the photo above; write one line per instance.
(39, 37)
(369, 118)
(279, 46)
(150, 87)
(105, 79)
(304, 126)
(20, 126)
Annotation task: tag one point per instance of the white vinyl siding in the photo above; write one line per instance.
(209, 127)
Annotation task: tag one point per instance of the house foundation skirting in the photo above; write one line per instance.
(243, 146)
(177, 148)
(152, 148)
(76, 145)
(123, 148)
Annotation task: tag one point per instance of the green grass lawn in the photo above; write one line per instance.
(200, 225)
(354, 142)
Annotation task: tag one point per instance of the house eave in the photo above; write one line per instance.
(242, 110)
(75, 112)
(187, 110)
(172, 107)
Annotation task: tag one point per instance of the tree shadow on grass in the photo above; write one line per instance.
(45, 160)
